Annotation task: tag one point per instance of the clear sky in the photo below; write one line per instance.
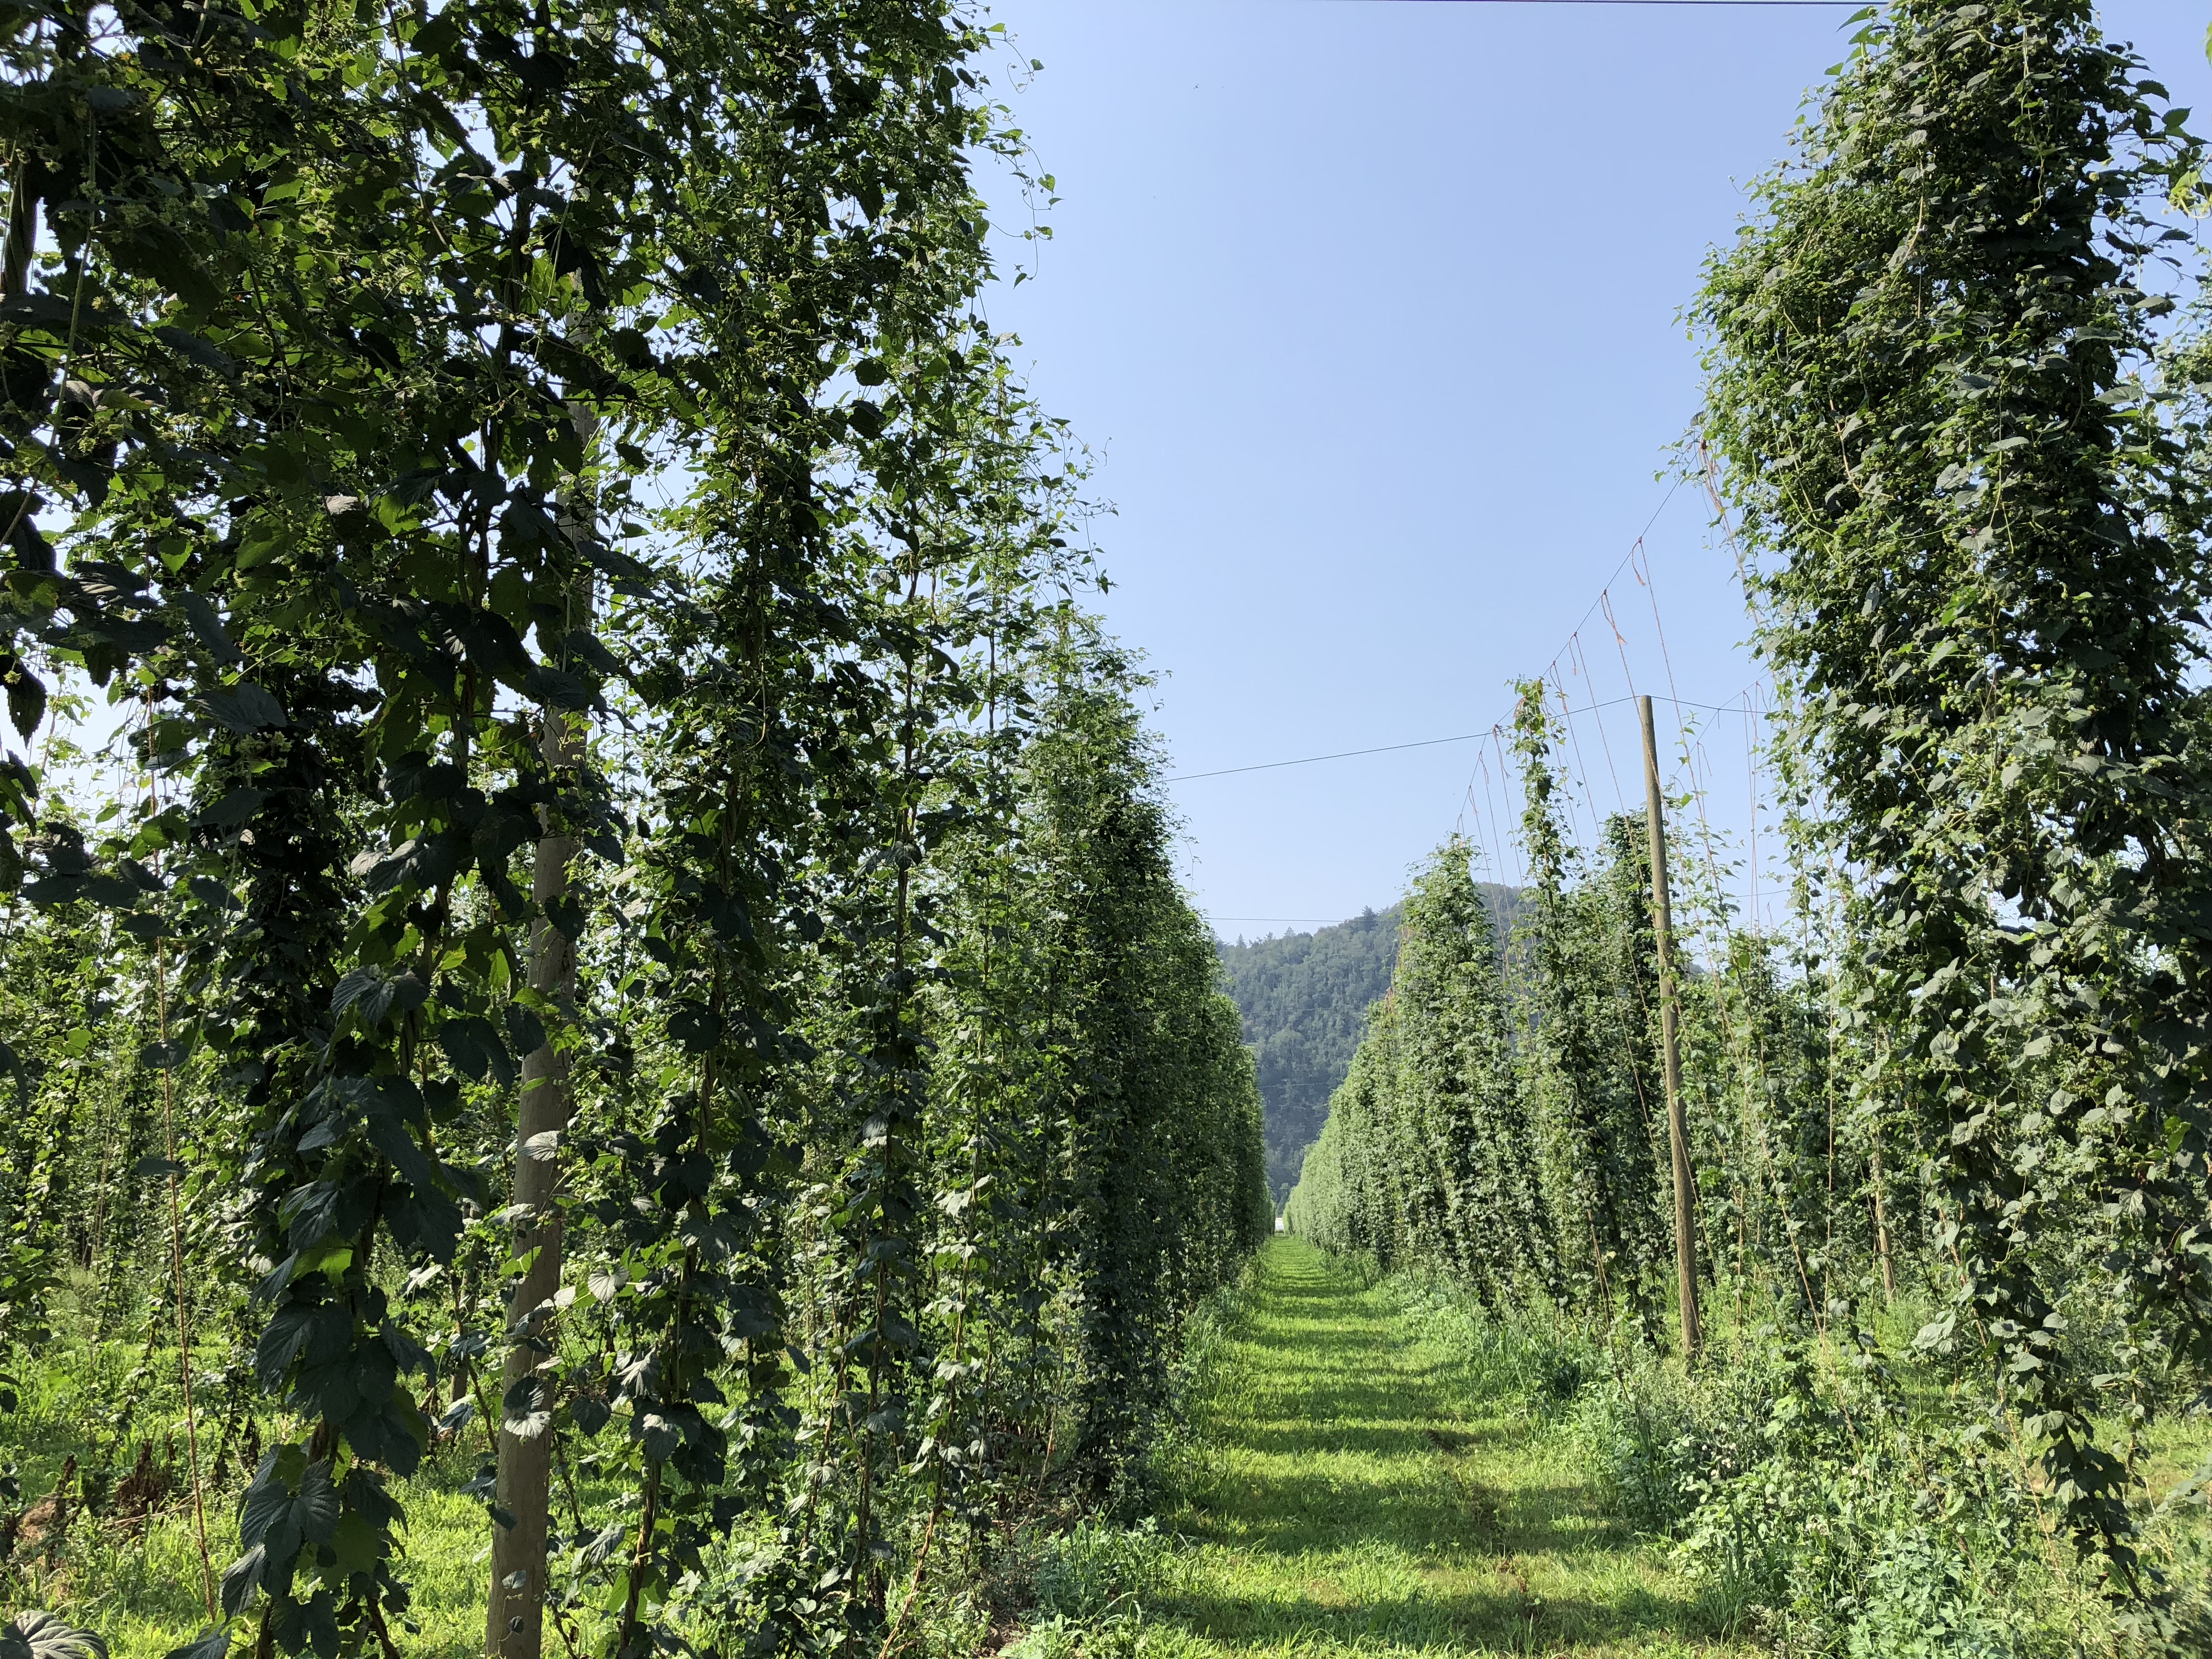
(1370, 312)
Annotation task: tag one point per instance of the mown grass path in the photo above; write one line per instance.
(1349, 1497)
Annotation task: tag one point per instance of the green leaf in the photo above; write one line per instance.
(233, 810)
(471, 1045)
(241, 1581)
(283, 1518)
(164, 1056)
(212, 1643)
(186, 343)
(557, 688)
(38, 1635)
(244, 707)
(26, 693)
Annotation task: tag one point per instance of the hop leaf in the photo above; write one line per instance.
(38, 1634)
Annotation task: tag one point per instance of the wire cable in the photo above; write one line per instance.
(1319, 921)
(1392, 748)
(1771, 5)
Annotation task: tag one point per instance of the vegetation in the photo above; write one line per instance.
(601, 1040)
(1953, 1131)
(1368, 1471)
(1376, 1467)
(1304, 998)
(610, 1042)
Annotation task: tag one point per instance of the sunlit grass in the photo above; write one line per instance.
(139, 1584)
(1363, 1475)
(1348, 1492)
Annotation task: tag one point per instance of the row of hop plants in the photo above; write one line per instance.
(625, 920)
(1952, 1121)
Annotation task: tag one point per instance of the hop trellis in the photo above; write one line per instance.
(1958, 1066)
(664, 955)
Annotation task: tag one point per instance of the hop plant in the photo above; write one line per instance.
(38, 1635)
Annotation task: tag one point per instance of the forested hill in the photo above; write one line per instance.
(1304, 998)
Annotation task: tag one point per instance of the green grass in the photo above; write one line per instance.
(1366, 1470)
(137, 1582)
(1348, 1488)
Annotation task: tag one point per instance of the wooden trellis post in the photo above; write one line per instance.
(1678, 1128)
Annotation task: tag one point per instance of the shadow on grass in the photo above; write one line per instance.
(1348, 1460)
(1297, 1515)
(1511, 1618)
(1405, 1437)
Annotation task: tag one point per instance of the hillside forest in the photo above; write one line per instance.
(1303, 998)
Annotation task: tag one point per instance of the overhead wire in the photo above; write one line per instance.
(1696, 774)
(1496, 838)
(1620, 796)
(1567, 712)
(1753, 1044)
(1392, 748)
(1771, 5)
(1488, 801)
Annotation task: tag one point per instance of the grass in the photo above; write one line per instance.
(1365, 1472)
(1350, 1488)
(136, 1580)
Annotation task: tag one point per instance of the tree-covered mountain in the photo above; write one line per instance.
(1304, 998)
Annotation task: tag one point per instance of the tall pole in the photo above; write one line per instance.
(514, 1612)
(514, 1617)
(1678, 1128)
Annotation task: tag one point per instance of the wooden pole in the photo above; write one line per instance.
(514, 1612)
(1678, 1128)
(515, 1616)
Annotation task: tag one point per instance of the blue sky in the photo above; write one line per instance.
(1369, 313)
